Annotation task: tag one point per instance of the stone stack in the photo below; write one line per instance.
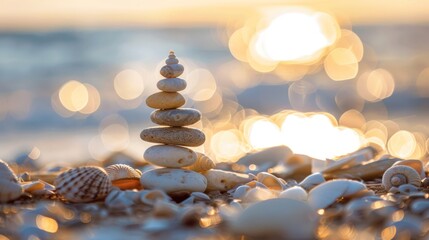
(173, 136)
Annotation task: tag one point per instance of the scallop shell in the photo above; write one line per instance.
(124, 176)
(203, 163)
(83, 184)
(9, 190)
(6, 172)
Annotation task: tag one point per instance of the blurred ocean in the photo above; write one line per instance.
(34, 65)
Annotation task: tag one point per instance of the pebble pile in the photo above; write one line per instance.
(174, 136)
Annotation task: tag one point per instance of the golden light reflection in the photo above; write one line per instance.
(422, 83)
(128, 84)
(262, 133)
(114, 133)
(227, 145)
(74, 96)
(93, 100)
(201, 85)
(352, 119)
(376, 85)
(402, 144)
(46, 224)
(341, 64)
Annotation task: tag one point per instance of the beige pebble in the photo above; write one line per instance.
(173, 180)
(176, 117)
(224, 180)
(170, 156)
(203, 163)
(165, 100)
(172, 70)
(174, 136)
(171, 84)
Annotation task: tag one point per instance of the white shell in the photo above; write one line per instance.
(269, 180)
(414, 163)
(403, 174)
(240, 191)
(224, 180)
(83, 184)
(173, 180)
(150, 197)
(200, 196)
(9, 190)
(327, 193)
(6, 172)
(203, 163)
(121, 171)
(277, 218)
(311, 181)
(296, 193)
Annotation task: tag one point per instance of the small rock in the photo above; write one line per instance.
(172, 70)
(296, 193)
(174, 136)
(173, 180)
(170, 156)
(224, 180)
(165, 100)
(171, 84)
(176, 117)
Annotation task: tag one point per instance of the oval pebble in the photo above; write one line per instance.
(165, 100)
(172, 70)
(170, 156)
(171, 84)
(175, 117)
(173, 180)
(174, 136)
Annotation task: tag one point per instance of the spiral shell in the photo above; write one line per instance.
(124, 176)
(83, 184)
(203, 163)
(9, 190)
(6, 172)
(399, 175)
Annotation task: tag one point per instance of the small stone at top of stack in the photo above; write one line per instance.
(173, 136)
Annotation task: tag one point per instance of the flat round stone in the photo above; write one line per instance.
(172, 70)
(170, 156)
(165, 100)
(176, 117)
(174, 136)
(173, 180)
(171, 84)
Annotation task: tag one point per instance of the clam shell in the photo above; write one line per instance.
(327, 193)
(83, 184)
(124, 176)
(9, 190)
(203, 163)
(6, 172)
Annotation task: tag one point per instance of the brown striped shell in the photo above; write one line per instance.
(9, 190)
(6, 172)
(83, 184)
(124, 176)
(203, 163)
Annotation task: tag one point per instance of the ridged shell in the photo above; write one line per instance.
(9, 190)
(202, 164)
(121, 171)
(6, 172)
(400, 174)
(83, 184)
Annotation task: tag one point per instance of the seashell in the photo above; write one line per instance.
(124, 176)
(224, 180)
(9, 190)
(30, 187)
(327, 193)
(269, 180)
(277, 218)
(296, 193)
(6, 173)
(165, 209)
(149, 197)
(414, 163)
(254, 184)
(118, 200)
(257, 195)
(188, 201)
(171, 59)
(311, 181)
(83, 184)
(172, 70)
(240, 191)
(203, 163)
(398, 175)
(200, 196)
(353, 159)
(407, 188)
